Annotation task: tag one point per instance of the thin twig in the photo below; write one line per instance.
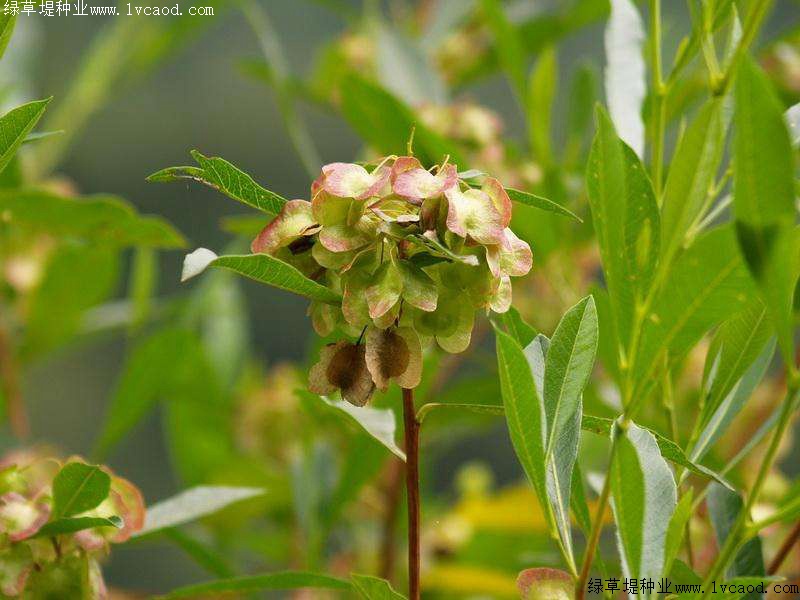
(412, 491)
(783, 551)
(9, 385)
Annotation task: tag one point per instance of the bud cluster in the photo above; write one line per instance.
(413, 253)
(66, 559)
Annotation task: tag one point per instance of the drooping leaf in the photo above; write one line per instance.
(404, 69)
(644, 498)
(7, 22)
(98, 219)
(373, 588)
(691, 175)
(668, 448)
(677, 529)
(386, 123)
(707, 284)
(378, 422)
(147, 373)
(568, 365)
(524, 411)
(542, 88)
(288, 580)
(724, 507)
(221, 175)
(540, 202)
(625, 74)
(263, 268)
(764, 197)
(626, 221)
(79, 487)
(16, 124)
(193, 504)
(73, 524)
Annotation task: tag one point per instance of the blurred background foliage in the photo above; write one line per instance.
(199, 380)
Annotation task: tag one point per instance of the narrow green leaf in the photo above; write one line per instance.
(764, 197)
(98, 219)
(263, 268)
(540, 202)
(377, 422)
(669, 449)
(288, 580)
(582, 97)
(79, 487)
(517, 327)
(483, 409)
(692, 174)
(524, 411)
(677, 529)
(73, 524)
(193, 504)
(221, 175)
(542, 88)
(625, 75)
(404, 69)
(724, 507)
(373, 588)
(644, 498)
(7, 22)
(148, 373)
(626, 221)
(16, 124)
(142, 285)
(508, 43)
(707, 285)
(577, 500)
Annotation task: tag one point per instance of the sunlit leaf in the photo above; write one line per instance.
(289, 580)
(625, 73)
(263, 268)
(378, 422)
(79, 487)
(764, 197)
(16, 124)
(194, 504)
(221, 175)
(644, 498)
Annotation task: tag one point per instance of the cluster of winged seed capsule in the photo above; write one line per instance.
(42, 549)
(413, 253)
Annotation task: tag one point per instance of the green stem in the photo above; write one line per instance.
(753, 23)
(659, 109)
(736, 537)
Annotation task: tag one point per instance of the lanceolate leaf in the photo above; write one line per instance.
(524, 411)
(707, 284)
(724, 507)
(79, 487)
(265, 269)
(625, 76)
(73, 524)
(517, 327)
(378, 422)
(97, 219)
(288, 580)
(16, 124)
(541, 95)
(691, 175)
(677, 529)
(644, 498)
(7, 22)
(228, 179)
(626, 221)
(764, 197)
(372, 588)
(540, 202)
(193, 504)
(669, 449)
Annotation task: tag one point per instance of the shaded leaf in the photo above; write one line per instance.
(17, 123)
(508, 43)
(221, 175)
(677, 529)
(79, 487)
(626, 221)
(404, 69)
(7, 22)
(644, 497)
(288, 580)
(517, 327)
(542, 88)
(73, 524)
(764, 197)
(193, 504)
(625, 74)
(378, 422)
(373, 588)
(265, 269)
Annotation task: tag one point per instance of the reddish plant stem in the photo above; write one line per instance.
(17, 416)
(412, 491)
(783, 551)
(394, 488)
